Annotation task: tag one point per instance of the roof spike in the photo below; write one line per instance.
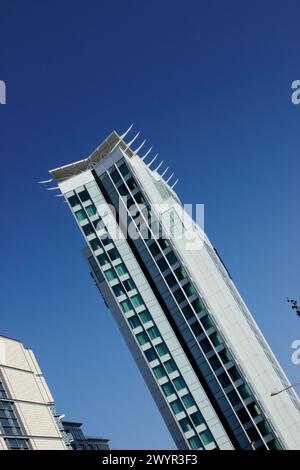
(173, 186)
(158, 166)
(163, 174)
(52, 189)
(170, 177)
(146, 154)
(126, 132)
(59, 195)
(122, 137)
(45, 181)
(139, 148)
(131, 142)
(153, 159)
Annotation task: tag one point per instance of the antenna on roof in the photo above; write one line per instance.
(172, 187)
(153, 160)
(146, 154)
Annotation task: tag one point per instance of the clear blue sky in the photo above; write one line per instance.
(208, 83)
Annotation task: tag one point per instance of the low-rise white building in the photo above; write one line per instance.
(27, 415)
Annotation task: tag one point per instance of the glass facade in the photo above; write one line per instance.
(214, 362)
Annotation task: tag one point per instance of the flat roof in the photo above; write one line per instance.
(67, 171)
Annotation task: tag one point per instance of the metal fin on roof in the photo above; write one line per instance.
(153, 160)
(146, 154)
(139, 148)
(163, 174)
(170, 177)
(52, 189)
(173, 186)
(158, 166)
(122, 137)
(45, 181)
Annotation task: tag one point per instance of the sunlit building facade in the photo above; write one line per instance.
(203, 357)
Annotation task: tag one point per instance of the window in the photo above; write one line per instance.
(264, 428)
(214, 362)
(171, 281)
(179, 383)
(102, 259)
(163, 243)
(129, 284)
(244, 391)
(188, 312)
(206, 322)
(243, 416)
(131, 184)
(80, 215)
(84, 195)
(115, 176)
(17, 444)
(113, 254)
(197, 305)
(180, 273)
(123, 190)
(137, 300)
(274, 445)
(145, 316)
(154, 249)
(162, 264)
(189, 289)
(168, 389)
(170, 366)
(234, 373)
(110, 275)
(224, 379)
(123, 169)
(196, 328)
(99, 225)
(91, 210)
(2, 391)
(171, 258)
(179, 296)
(254, 410)
(162, 349)
(106, 240)
(153, 332)
(215, 339)
(206, 437)
(126, 305)
(134, 321)
(73, 200)
(95, 244)
(139, 198)
(142, 338)
(197, 418)
(8, 420)
(225, 356)
(88, 229)
(188, 400)
(177, 406)
(253, 434)
(185, 424)
(121, 269)
(205, 345)
(195, 443)
(150, 354)
(118, 290)
(159, 372)
(233, 398)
